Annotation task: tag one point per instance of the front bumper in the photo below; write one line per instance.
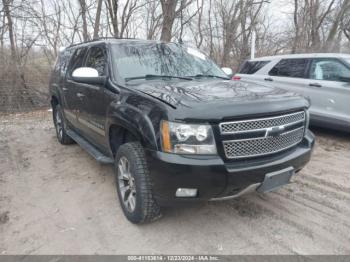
(215, 178)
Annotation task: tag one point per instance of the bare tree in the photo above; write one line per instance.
(334, 31)
(318, 24)
(345, 25)
(7, 13)
(120, 18)
(83, 11)
(171, 9)
(153, 19)
(97, 19)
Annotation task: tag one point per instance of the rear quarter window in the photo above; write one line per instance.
(251, 67)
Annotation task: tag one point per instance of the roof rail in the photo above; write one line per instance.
(99, 39)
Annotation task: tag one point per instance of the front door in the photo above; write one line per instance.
(72, 90)
(94, 109)
(329, 90)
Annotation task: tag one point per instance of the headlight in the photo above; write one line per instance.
(182, 138)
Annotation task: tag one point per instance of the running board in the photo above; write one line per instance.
(93, 151)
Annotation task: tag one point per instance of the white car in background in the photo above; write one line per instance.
(324, 78)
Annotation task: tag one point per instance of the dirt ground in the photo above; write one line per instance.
(56, 199)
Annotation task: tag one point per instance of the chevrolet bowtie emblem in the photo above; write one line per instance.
(274, 131)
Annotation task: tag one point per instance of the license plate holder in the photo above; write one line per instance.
(276, 179)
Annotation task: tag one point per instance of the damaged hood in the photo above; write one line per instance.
(215, 100)
(204, 91)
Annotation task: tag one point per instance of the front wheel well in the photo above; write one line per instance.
(118, 136)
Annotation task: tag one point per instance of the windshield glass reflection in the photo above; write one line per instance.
(162, 59)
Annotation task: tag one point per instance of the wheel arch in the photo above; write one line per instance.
(54, 100)
(122, 129)
(119, 135)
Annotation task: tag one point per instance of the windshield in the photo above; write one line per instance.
(162, 59)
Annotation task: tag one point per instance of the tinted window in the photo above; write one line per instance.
(162, 59)
(328, 69)
(97, 59)
(77, 59)
(290, 68)
(64, 61)
(250, 67)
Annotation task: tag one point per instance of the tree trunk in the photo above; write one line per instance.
(296, 27)
(98, 18)
(169, 10)
(83, 16)
(335, 26)
(7, 12)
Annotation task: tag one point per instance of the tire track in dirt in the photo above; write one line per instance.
(296, 210)
(317, 203)
(250, 213)
(320, 214)
(337, 187)
(312, 206)
(306, 225)
(324, 190)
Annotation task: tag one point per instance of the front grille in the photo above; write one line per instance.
(262, 123)
(275, 134)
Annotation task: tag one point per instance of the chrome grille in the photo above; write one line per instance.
(262, 123)
(290, 132)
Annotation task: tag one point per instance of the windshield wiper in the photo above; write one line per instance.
(202, 75)
(157, 76)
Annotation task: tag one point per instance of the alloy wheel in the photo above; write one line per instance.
(126, 183)
(59, 124)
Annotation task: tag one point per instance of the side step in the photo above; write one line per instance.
(93, 151)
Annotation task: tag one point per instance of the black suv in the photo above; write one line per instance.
(174, 125)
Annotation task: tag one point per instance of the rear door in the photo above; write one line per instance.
(328, 89)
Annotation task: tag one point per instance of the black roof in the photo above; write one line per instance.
(114, 40)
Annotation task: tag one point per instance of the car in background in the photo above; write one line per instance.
(324, 78)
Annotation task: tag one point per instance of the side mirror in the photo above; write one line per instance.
(228, 71)
(88, 75)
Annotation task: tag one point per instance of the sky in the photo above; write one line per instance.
(280, 11)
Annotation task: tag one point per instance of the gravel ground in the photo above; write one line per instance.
(56, 199)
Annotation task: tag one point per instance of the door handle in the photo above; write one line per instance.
(315, 85)
(80, 95)
(268, 79)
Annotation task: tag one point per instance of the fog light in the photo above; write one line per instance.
(186, 192)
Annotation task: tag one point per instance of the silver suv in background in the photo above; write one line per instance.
(324, 78)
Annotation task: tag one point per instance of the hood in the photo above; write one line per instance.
(191, 93)
(216, 100)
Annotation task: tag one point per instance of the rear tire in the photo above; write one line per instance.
(134, 184)
(60, 126)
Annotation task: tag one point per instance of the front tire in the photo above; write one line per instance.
(60, 126)
(134, 184)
